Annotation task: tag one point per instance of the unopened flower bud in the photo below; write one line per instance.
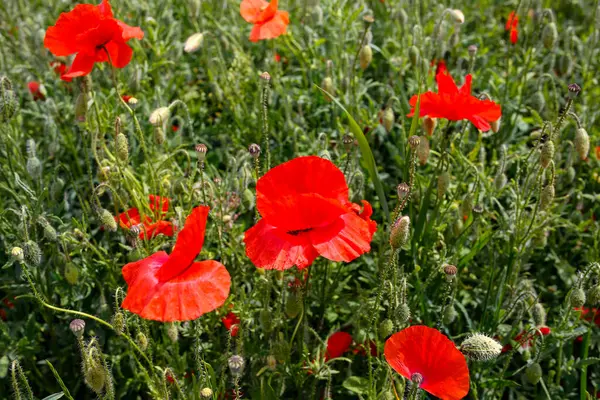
(159, 134)
(386, 328)
(173, 332)
(193, 43)
(547, 153)
(577, 297)
(450, 315)
(107, 220)
(539, 314)
(402, 313)
(34, 168)
(8, 100)
(327, 85)
(414, 142)
(457, 16)
(429, 125)
(500, 181)
(236, 365)
(450, 271)
(254, 150)
(388, 119)
(495, 125)
(547, 196)
(77, 326)
(71, 273)
(549, 35)
(443, 183)
(118, 322)
(142, 341)
(466, 206)
(423, 150)
(160, 115)
(122, 147)
(365, 56)
(414, 56)
(582, 143)
(206, 393)
(33, 253)
(17, 253)
(293, 305)
(593, 295)
(94, 374)
(400, 232)
(479, 347)
(533, 373)
(201, 150)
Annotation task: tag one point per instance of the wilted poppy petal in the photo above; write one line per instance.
(338, 344)
(82, 65)
(271, 28)
(272, 248)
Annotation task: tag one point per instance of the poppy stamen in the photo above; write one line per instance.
(299, 231)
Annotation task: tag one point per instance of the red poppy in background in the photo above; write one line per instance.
(268, 21)
(90, 32)
(511, 25)
(337, 345)
(36, 90)
(173, 287)
(456, 104)
(61, 69)
(426, 351)
(231, 323)
(526, 338)
(306, 213)
(148, 228)
(589, 314)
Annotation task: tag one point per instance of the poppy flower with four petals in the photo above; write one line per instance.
(148, 228)
(174, 287)
(306, 213)
(269, 22)
(456, 104)
(427, 354)
(92, 34)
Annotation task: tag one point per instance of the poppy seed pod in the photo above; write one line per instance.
(414, 56)
(160, 116)
(593, 295)
(547, 153)
(423, 150)
(386, 328)
(443, 183)
(402, 313)
(201, 150)
(348, 142)
(450, 271)
(107, 220)
(142, 341)
(429, 125)
(574, 90)
(388, 119)
(173, 332)
(33, 253)
(549, 35)
(365, 57)
(547, 196)
(533, 373)
(539, 314)
(472, 49)
(236, 365)
(118, 322)
(400, 232)
(77, 326)
(414, 142)
(327, 85)
(479, 347)
(193, 43)
(457, 15)
(122, 147)
(577, 297)
(206, 393)
(582, 143)
(450, 315)
(17, 253)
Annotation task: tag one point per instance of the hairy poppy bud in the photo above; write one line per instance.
(547, 196)
(423, 150)
(8, 100)
(402, 313)
(254, 150)
(578, 297)
(466, 206)
(457, 226)
(236, 365)
(457, 16)
(33, 253)
(533, 373)
(122, 147)
(539, 314)
(293, 305)
(495, 125)
(17, 253)
(81, 106)
(386, 328)
(71, 273)
(429, 125)
(206, 393)
(94, 374)
(400, 232)
(201, 150)
(118, 322)
(388, 119)
(159, 134)
(479, 347)
(49, 231)
(327, 85)
(281, 350)
(450, 271)
(443, 183)
(173, 332)
(414, 142)
(160, 116)
(142, 341)
(107, 220)
(450, 315)
(77, 326)
(582, 143)
(271, 362)
(564, 65)
(193, 43)
(549, 35)
(547, 153)
(500, 181)
(265, 319)
(365, 56)
(414, 56)
(593, 295)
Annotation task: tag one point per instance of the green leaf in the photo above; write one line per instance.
(366, 152)
(586, 362)
(54, 396)
(357, 384)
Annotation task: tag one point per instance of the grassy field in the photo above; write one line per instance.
(336, 219)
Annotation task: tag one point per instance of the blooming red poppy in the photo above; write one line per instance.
(337, 345)
(269, 22)
(61, 69)
(36, 90)
(231, 323)
(511, 25)
(148, 228)
(92, 33)
(173, 287)
(456, 104)
(306, 213)
(429, 353)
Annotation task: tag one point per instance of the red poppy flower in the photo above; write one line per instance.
(231, 323)
(527, 338)
(337, 345)
(589, 314)
(90, 32)
(456, 104)
(305, 213)
(36, 90)
(511, 25)
(360, 349)
(148, 229)
(268, 21)
(126, 98)
(61, 69)
(426, 351)
(277, 57)
(173, 287)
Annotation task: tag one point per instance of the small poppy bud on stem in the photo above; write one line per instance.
(423, 150)
(118, 323)
(479, 347)
(533, 373)
(550, 35)
(402, 313)
(547, 153)
(142, 341)
(8, 100)
(547, 196)
(400, 232)
(33, 253)
(388, 119)
(107, 220)
(443, 183)
(457, 16)
(160, 116)
(365, 56)
(582, 143)
(539, 314)
(593, 295)
(173, 332)
(414, 56)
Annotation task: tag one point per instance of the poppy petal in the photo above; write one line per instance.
(130, 32)
(120, 53)
(158, 203)
(446, 84)
(251, 10)
(337, 345)
(129, 218)
(157, 228)
(105, 9)
(271, 28)
(272, 248)
(61, 39)
(82, 65)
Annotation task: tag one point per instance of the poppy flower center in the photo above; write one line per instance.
(296, 233)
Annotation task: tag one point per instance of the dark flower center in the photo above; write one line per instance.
(295, 233)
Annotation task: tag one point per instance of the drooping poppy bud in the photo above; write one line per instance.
(547, 196)
(458, 16)
(443, 183)
(582, 143)
(577, 297)
(539, 314)
(414, 56)
(365, 57)
(388, 119)
(549, 35)
(593, 295)
(33, 253)
(159, 116)
(533, 373)
(193, 43)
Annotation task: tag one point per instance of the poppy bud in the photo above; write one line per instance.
(206, 393)
(17, 253)
(466, 206)
(56, 188)
(414, 55)
(71, 273)
(450, 271)
(386, 328)
(547, 153)
(443, 183)
(34, 168)
(547, 196)
(327, 85)
(160, 115)
(582, 143)
(539, 314)
(142, 341)
(271, 362)
(173, 332)
(365, 56)
(549, 35)
(94, 374)
(564, 65)
(450, 315)
(293, 305)
(118, 323)
(8, 100)
(457, 16)
(537, 101)
(236, 365)
(403, 189)
(423, 150)
(500, 181)
(33, 253)
(402, 313)
(49, 231)
(578, 297)
(388, 119)
(77, 326)
(193, 43)
(414, 142)
(201, 149)
(533, 373)
(479, 347)
(571, 173)
(81, 105)
(457, 226)
(429, 125)
(593, 295)
(265, 318)
(400, 232)
(159, 134)
(495, 125)
(254, 150)
(281, 350)
(122, 147)
(107, 220)
(325, 154)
